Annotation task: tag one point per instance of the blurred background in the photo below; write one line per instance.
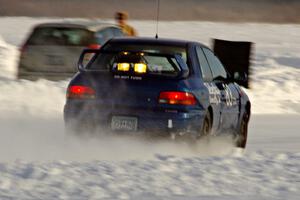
(276, 11)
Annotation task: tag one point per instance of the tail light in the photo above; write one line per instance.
(94, 46)
(179, 98)
(80, 92)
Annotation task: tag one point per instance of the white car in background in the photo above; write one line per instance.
(52, 49)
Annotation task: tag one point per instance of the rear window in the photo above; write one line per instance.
(160, 60)
(60, 36)
(159, 49)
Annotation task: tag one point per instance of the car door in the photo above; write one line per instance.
(229, 94)
(214, 92)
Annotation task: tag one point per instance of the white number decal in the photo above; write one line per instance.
(214, 93)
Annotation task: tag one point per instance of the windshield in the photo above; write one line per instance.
(159, 60)
(60, 36)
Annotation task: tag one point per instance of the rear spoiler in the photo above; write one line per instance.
(183, 66)
(80, 65)
(183, 73)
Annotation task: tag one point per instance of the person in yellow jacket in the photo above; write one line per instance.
(121, 18)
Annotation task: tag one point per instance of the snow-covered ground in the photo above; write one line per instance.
(255, 176)
(37, 161)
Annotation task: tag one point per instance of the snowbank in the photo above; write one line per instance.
(8, 59)
(42, 98)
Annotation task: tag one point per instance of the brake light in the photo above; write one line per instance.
(94, 46)
(80, 92)
(173, 97)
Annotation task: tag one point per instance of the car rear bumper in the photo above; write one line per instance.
(162, 122)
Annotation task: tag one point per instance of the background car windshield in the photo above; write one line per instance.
(60, 37)
(158, 58)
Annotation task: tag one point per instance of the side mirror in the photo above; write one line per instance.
(183, 66)
(86, 57)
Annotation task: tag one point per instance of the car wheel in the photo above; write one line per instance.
(243, 132)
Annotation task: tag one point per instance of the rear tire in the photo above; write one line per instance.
(242, 136)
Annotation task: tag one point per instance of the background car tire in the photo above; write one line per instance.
(243, 132)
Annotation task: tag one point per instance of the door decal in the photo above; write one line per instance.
(214, 93)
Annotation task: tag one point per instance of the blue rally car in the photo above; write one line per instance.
(148, 85)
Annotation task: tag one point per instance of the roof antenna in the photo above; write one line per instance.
(157, 18)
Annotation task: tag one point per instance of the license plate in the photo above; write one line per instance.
(54, 60)
(123, 123)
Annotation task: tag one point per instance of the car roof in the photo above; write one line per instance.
(84, 24)
(151, 41)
